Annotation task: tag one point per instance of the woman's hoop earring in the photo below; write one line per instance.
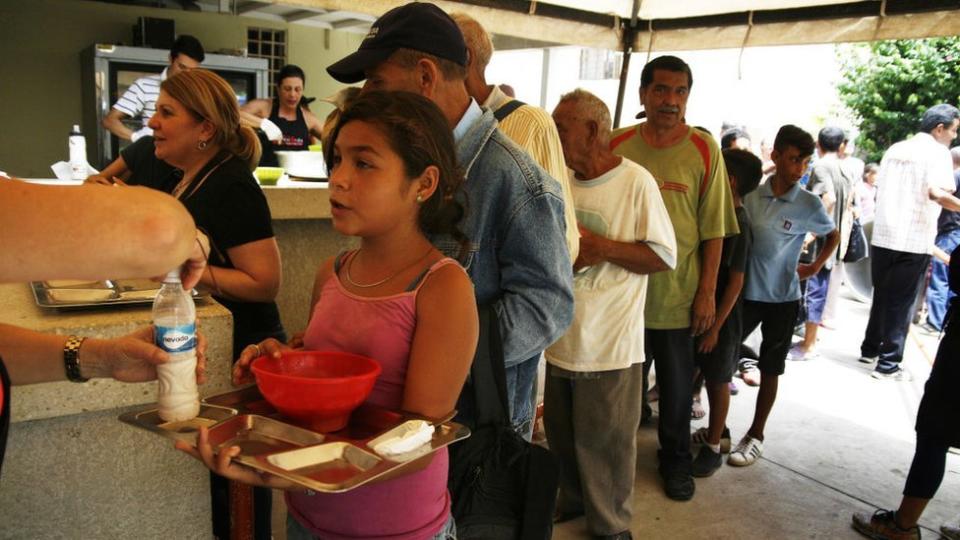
(201, 145)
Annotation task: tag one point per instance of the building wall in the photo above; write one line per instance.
(42, 40)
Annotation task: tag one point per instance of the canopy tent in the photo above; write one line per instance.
(649, 26)
(661, 25)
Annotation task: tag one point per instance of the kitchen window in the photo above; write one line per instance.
(271, 44)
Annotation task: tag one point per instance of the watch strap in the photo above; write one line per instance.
(71, 359)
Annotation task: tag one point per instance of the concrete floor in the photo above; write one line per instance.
(837, 442)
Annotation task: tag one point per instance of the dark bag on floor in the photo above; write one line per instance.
(857, 247)
(501, 486)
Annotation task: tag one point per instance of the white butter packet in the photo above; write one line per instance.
(63, 172)
(404, 438)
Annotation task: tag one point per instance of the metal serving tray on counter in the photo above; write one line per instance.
(326, 462)
(78, 293)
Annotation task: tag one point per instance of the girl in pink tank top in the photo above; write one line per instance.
(397, 299)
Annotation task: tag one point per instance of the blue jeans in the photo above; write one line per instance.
(296, 531)
(938, 292)
(816, 295)
(521, 394)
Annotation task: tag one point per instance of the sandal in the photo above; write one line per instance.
(697, 411)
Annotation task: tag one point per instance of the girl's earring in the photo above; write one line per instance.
(201, 145)
(419, 198)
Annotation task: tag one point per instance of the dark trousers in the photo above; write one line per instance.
(926, 471)
(897, 278)
(673, 354)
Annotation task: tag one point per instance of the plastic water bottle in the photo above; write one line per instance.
(78, 154)
(175, 329)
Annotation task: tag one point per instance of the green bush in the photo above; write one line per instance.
(889, 84)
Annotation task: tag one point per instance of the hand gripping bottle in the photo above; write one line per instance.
(175, 323)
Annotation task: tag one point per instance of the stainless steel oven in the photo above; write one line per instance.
(108, 70)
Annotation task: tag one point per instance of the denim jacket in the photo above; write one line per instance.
(518, 255)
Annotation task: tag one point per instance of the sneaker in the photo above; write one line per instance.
(699, 437)
(881, 525)
(748, 451)
(898, 374)
(706, 463)
(799, 355)
(868, 359)
(678, 485)
(751, 377)
(951, 532)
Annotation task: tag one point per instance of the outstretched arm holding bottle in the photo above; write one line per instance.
(91, 232)
(34, 357)
(95, 232)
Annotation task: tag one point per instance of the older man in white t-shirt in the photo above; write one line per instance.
(594, 372)
(916, 180)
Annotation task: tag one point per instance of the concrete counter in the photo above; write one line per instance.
(72, 469)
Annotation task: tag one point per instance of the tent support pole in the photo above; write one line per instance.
(629, 35)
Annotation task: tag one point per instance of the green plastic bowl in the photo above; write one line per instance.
(268, 176)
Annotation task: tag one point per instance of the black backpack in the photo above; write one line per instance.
(501, 486)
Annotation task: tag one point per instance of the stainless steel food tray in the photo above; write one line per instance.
(327, 462)
(77, 293)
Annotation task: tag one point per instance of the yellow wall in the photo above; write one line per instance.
(40, 45)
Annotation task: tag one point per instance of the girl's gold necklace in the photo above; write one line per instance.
(384, 280)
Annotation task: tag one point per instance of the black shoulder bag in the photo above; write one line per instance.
(508, 108)
(857, 246)
(501, 485)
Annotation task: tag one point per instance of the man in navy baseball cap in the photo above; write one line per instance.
(418, 26)
(518, 259)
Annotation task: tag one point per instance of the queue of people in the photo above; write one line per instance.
(656, 249)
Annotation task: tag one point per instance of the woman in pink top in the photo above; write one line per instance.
(397, 299)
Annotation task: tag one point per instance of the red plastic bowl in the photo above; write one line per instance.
(316, 389)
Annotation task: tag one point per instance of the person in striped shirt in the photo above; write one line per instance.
(140, 98)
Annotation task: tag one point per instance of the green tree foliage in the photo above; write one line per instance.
(889, 84)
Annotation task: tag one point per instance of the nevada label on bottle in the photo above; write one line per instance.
(176, 339)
